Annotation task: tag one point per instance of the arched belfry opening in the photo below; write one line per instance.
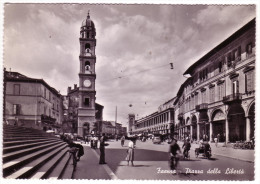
(87, 67)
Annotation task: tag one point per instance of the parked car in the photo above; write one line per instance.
(157, 140)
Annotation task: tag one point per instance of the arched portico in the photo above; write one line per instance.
(218, 125)
(250, 122)
(236, 123)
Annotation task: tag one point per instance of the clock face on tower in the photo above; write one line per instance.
(87, 83)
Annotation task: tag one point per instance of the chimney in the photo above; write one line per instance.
(69, 89)
(75, 86)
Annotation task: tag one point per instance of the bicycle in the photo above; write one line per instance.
(73, 152)
(174, 160)
(186, 154)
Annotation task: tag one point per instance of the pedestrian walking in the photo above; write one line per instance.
(102, 150)
(216, 141)
(130, 153)
(218, 137)
(86, 139)
(122, 140)
(91, 141)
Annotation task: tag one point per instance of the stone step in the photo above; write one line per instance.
(16, 154)
(59, 170)
(48, 168)
(18, 128)
(21, 131)
(25, 135)
(32, 167)
(68, 173)
(25, 138)
(14, 143)
(25, 146)
(13, 165)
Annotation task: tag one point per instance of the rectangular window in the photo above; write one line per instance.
(86, 102)
(235, 87)
(196, 99)
(229, 60)
(249, 48)
(220, 91)
(235, 54)
(16, 109)
(238, 54)
(212, 94)
(220, 66)
(44, 92)
(203, 96)
(16, 89)
(250, 81)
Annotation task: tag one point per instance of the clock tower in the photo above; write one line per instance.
(87, 76)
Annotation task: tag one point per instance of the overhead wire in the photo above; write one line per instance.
(139, 72)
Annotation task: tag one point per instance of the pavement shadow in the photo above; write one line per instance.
(213, 159)
(187, 160)
(113, 157)
(204, 158)
(141, 166)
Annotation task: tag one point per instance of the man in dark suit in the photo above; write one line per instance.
(102, 149)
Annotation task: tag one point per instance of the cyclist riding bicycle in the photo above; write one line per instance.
(174, 151)
(186, 147)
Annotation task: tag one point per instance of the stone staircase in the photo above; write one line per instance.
(30, 153)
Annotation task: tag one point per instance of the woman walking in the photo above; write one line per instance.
(130, 152)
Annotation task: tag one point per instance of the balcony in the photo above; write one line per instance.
(201, 107)
(47, 119)
(180, 116)
(235, 97)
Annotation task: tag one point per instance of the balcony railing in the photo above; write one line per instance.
(235, 97)
(203, 106)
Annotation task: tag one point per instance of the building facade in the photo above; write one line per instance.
(31, 102)
(160, 122)
(108, 128)
(218, 98)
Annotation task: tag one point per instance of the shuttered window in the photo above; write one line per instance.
(212, 94)
(220, 91)
(250, 86)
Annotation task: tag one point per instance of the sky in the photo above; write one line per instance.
(135, 46)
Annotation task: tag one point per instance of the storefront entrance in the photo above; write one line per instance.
(194, 128)
(237, 123)
(218, 126)
(218, 129)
